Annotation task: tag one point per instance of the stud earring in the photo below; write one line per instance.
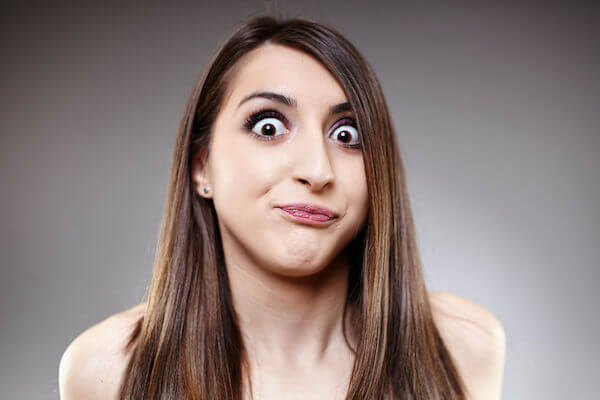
(206, 190)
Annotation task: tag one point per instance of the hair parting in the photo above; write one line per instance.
(188, 344)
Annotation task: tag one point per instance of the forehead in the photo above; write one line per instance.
(285, 70)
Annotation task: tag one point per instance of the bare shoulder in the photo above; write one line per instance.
(476, 340)
(92, 365)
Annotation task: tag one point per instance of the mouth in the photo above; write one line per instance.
(309, 213)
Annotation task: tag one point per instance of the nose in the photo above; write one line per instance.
(313, 165)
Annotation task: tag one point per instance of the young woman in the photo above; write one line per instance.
(287, 266)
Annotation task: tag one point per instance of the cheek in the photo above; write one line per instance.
(355, 182)
(240, 171)
(243, 172)
(355, 185)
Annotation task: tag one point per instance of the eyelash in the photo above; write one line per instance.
(257, 116)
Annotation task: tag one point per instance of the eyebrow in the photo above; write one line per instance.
(291, 102)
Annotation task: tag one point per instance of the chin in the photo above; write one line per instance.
(297, 270)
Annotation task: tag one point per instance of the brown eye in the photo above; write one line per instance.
(344, 136)
(347, 134)
(270, 127)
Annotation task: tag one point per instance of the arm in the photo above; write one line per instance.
(93, 364)
(475, 339)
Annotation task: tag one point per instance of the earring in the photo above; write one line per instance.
(206, 190)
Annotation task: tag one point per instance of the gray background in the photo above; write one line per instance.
(496, 110)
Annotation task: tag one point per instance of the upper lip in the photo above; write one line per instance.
(311, 208)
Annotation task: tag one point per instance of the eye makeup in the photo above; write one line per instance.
(351, 122)
(263, 113)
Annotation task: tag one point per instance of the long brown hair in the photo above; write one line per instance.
(188, 344)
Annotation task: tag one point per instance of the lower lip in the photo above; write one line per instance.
(306, 217)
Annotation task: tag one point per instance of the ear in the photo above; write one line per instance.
(200, 174)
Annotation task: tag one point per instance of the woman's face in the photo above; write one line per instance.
(293, 153)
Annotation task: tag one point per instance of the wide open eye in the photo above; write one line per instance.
(266, 125)
(269, 127)
(346, 132)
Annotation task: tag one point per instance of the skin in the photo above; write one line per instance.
(288, 279)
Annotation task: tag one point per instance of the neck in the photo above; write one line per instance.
(291, 321)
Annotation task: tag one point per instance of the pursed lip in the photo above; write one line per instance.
(310, 208)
